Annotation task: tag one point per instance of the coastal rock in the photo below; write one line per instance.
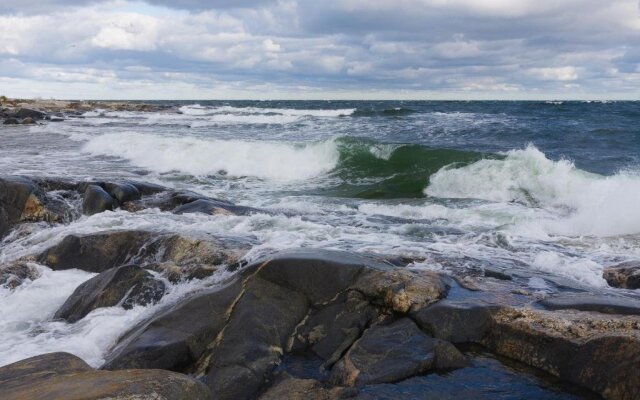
(625, 275)
(96, 200)
(180, 256)
(591, 302)
(176, 338)
(391, 353)
(62, 376)
(595, 351)
(128, 285)
(13, 275)
(123, 192)
(28, 121)
(291, 388)
(11, 121)
(24, 113)
(213, 207)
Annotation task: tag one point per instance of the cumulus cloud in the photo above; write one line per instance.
(343, 48)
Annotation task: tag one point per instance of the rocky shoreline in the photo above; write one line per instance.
(359, 323)
(33, 111)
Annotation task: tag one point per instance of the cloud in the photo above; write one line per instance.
(455, 48)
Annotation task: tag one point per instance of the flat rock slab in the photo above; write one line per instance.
(62, 376)
(391, 353)
(592, 302)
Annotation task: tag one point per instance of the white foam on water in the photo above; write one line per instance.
(266, 160)
(583, 203)
(197, 109)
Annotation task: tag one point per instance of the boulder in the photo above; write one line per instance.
(128, 285)
(35, 115)
(214, 207)
(123, 192)
(625, 275)
(13, 275)
(179, 256)
(394, 352)
(28, 121)
(62, 376)
(96, 200)
(11, 121)
(14, 194)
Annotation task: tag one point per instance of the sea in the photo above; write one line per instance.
(549, 190)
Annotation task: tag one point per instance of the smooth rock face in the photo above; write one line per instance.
(390, 353)
(128, 285)
(176, 338)
(123, 192)
(62, 376)
(625, 275)
(591, 302)
(14, 192)
(96, 200)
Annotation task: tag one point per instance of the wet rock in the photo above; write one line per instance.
(291, 388)
(96, 200)
(330, 331)
(497, 274)
(176, 338)
(403, 290)
(21, 200)
(596, 351)
(457, 322)
(250, 346)
(391, 353)
(625, 275)
(592, 302)
(14, 275)
(123, 192)
(182, 257)
(35, 115)
(214, 207)
(62, 376)
(128, 285)
(11, 121)
(28, 121)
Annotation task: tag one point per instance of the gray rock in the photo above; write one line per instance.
(391, 353)
(29, 113)
(96, 200)
(62, 376)
(593, 302)
(128, 285)
(123, 192)
(625, 275)
(11, 121)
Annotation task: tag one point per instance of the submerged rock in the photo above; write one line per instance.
(62, 376)
(128, 285)
(591, 302)
(625, 275)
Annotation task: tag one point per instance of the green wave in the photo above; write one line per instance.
(371, 170)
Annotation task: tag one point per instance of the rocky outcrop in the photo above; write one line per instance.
(625, 275)
(127, 285)
(177, 256)
(287, 387)
(62, 376)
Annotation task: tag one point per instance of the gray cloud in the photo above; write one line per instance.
(463, 48)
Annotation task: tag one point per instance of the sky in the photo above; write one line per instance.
(320, 49)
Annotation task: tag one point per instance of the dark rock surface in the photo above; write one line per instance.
(591, 302)
(625, 275)
(391, 353)
(128, 285)
(11, 121)
(123, 192)
(288, 387)
(62, 376)
(24, 113)
(96, 200)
